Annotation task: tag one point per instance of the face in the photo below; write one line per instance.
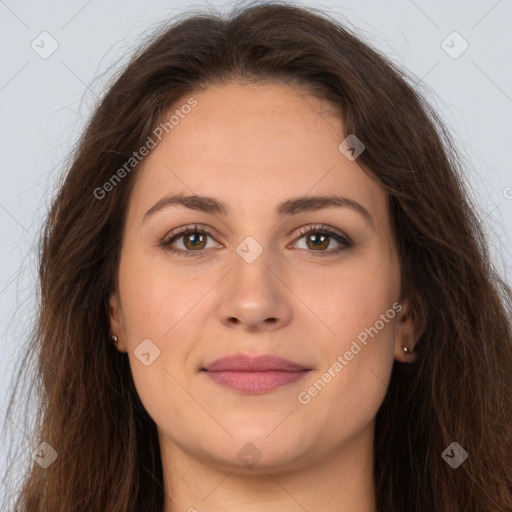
(248, 279)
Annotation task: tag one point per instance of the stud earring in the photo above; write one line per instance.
(410, 354)
(406, 349)
(114, 339)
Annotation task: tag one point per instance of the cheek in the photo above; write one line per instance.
(154, 300)
(158, 310)
(353, 297)
(357, 352)
(347, 391)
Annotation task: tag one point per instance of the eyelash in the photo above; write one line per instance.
(321, 229)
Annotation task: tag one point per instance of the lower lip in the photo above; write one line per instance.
(255, 382)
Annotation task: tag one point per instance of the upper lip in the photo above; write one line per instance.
(245, 363)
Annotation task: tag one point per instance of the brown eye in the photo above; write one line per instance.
(318, 238)
(194, 241)
(318, 241)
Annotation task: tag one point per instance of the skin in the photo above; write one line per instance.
(253, 146)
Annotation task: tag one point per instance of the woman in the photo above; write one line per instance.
(263, 287)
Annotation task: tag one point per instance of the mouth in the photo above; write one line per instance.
(254, 375)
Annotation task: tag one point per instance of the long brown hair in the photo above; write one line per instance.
(459, 389)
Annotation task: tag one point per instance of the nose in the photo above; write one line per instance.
(255, 296)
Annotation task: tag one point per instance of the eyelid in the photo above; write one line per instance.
(189, 228)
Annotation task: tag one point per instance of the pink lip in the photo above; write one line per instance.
(254, 374)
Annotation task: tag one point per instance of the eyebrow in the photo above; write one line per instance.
(292, 206)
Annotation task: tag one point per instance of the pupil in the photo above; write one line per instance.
(319, 240)
(194, 236)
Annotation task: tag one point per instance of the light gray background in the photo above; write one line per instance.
(45, 102)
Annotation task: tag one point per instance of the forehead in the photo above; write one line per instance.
(255, 145)
(275, 116)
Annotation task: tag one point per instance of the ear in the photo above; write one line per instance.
(409, 329)
(116, 323)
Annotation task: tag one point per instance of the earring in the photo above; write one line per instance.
(406, 349)
(114, 339)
